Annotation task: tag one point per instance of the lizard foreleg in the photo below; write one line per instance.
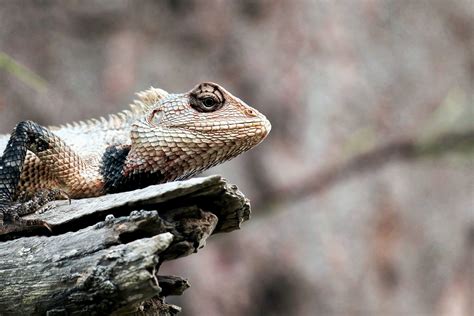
(53, 152)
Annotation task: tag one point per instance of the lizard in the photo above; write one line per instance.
(162, 137)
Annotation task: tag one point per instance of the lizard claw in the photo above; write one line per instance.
(10, 221)
(11, 212)
(39, 200)
(47, 226)
(63, 195)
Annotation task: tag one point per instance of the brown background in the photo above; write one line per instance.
(336, 79)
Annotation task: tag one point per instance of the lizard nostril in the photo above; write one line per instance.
(250, 112)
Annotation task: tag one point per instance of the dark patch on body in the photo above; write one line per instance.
(112, 171)
(36, 136)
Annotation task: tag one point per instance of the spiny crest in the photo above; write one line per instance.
(146, 99)
(150, 97)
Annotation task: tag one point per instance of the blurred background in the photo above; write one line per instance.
(363, 193)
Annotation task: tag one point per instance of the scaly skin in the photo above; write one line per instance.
(164, 137)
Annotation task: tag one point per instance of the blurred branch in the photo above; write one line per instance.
(400, 150)
(21, 72)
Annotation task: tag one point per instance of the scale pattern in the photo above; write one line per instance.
(163, 137)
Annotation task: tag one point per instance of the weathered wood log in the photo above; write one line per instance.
(103, 254)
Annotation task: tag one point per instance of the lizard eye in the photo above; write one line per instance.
(209, 102)
(206, 103)
(207, 97)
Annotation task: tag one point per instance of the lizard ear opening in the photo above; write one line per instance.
(155, 117)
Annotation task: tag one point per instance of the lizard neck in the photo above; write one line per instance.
(176, 154)
(121, 173)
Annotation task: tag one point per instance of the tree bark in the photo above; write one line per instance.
(103, 254)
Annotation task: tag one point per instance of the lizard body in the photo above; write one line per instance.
(163, 137)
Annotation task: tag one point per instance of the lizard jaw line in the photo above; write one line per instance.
(209, 127)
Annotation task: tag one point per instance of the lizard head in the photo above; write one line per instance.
(183, 134)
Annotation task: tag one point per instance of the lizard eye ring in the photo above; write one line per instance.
(207, 97)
